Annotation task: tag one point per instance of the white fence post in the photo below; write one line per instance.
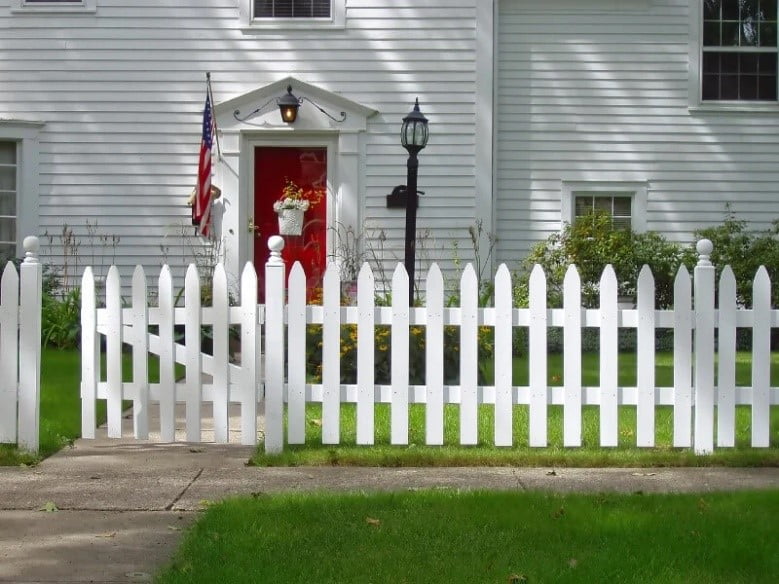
(274, 347)
(703, 285)
(9, 355)
(30, 347)
(761, 359)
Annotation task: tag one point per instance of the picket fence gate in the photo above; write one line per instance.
(20, 349)
(284, 318)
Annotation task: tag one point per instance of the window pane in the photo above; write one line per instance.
(583, 206)
(8, 204)
(622, 206)
(710, 87)
(603, 204)
(748, 63)
(7, 252)
(730, 34)
(711, 34)
(749, 34)
(767, 88)
(729, 87)
(7, 230)
(729, 62)
(768, 9)
(711, 9)
(767, 64)
(748, 87)
(7, 178)
(621, 223)
(7, 152)
(768, 34)
(730, 9)
(321, 9)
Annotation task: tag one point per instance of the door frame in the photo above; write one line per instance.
(264, 139)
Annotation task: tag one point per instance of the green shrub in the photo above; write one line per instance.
(61, 319)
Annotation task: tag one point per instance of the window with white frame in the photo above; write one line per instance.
(292, 8)
(275, 14)
(738, 51)
(8, 195)
(617, 205)
(625, 202)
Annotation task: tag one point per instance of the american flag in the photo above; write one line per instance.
(201, 208)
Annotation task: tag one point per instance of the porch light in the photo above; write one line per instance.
(413, 137)
(288, 106)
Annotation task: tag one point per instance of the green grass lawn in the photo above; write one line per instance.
(589, 455)
(463, 537)
(60, 421)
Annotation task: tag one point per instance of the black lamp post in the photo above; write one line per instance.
(413, 136)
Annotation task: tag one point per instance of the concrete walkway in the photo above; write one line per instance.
(122, 505)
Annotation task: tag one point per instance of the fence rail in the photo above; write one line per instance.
(20, 350)
(699, 406)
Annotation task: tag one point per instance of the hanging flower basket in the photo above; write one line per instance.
(293, 204)
(290, 221)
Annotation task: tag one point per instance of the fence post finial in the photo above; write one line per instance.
(31, 246)
(704, 248)
(275, 245)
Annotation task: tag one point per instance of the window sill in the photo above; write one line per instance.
(54, 10)
(262, 27)
(731, 107)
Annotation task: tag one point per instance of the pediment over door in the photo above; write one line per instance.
(310, 118)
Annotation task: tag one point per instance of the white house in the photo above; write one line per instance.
(662, 111)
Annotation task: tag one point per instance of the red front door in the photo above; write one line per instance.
(307, 169)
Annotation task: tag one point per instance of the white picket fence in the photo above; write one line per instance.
(699, 407)
(20, 350)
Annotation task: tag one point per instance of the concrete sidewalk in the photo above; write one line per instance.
(122, 504)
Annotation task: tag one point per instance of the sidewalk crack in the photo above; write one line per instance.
(184, 490)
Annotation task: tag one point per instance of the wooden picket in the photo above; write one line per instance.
(287, 321)
(20, 349)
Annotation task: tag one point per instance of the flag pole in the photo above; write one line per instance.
(216, 128)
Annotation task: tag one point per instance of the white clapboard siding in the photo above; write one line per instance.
(694, 398)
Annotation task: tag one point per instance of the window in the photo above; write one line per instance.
(292, 9)
(8, 186)
(618, 205)
(259, 15)
(625, 201)
(739, 50)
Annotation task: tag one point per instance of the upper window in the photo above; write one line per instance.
(8, 170)
(258, 15)
(617, 205)
(739, 50)
(292, 8)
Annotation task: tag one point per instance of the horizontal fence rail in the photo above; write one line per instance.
(702, 410)
(20, 350)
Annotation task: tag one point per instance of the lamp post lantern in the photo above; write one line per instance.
(413, 135)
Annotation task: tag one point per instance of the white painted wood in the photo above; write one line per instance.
(761, 359)
(331, 356)
(90, 354)
(703, 439)
(192, 339)
(250, 343)
(30, 281)
(275, 281)
(645, 359)
(366, 341)
(114, 340)
(9, 356)
(572, 358)
(504, 402)
(434, 356)
(296, 351)
(537, 359)
(167, 396)
(726, 366)
(221, 334)
(399, 357)
(683, 320)
(469, 357)
(139, 321)
(609, 355)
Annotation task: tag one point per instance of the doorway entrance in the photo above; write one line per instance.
(303, 168)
